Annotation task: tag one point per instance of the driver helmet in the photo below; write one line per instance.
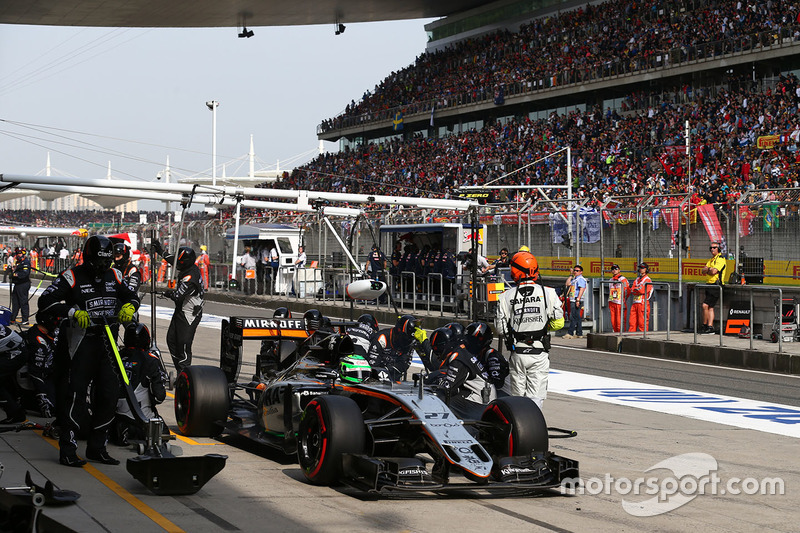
(354, 369)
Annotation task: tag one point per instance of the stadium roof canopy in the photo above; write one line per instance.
(213, 13)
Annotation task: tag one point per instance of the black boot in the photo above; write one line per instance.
(67, 458)
(101, 456)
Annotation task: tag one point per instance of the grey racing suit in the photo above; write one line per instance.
(525, 313)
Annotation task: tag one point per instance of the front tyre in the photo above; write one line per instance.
(517, 427)
(201, 401)
(330, 427)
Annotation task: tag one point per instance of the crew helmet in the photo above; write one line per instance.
(354, 369)
(122, 253)
(457, 329)
(524, 266)
(282, 312)
(313, 319)
(406, 325)
(137, 336)
(98, 253)
(441, 339)
(48, 318)
(186, 257)
(368, 320)
(479, 334)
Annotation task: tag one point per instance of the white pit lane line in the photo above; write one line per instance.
(737, 412)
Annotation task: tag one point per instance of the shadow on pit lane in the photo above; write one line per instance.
(461, 494)
(295, 474)
(261, 450)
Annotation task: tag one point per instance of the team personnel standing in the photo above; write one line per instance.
(641, 291)
(576, 287)
(525, 315)
(92, 290)
(123, 263)
(21, 279)
(204, 264)
(617, 292)
(188, 298)
(714, 270)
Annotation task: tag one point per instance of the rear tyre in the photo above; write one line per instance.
(518, 427)
(201, 401)
(331, 426)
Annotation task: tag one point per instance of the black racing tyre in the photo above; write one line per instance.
(773, 336)
(330, 426)
(518, 427)
(201, 400)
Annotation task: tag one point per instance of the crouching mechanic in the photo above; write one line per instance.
(12, 358)
(96, 294)
(188, 298)
(465, 379)
(146, 378)
(525, 314)
(41, 342)
(393, 348)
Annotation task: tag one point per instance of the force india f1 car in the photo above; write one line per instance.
(374, 435)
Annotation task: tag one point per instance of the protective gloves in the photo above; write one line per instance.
(80, 317)
(126, 313)
(45, 405)
(157, 248)
(420, 335)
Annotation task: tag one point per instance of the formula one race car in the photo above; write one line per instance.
(346, 424)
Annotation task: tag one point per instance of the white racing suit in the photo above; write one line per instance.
(525, 313)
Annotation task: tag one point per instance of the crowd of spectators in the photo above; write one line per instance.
(577, 46)
(81, 218)
(613, 153)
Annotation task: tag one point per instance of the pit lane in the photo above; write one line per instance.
(261, 489)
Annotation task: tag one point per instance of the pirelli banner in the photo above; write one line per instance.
(666, 269)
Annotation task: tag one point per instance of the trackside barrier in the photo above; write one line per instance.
(660, 284)
(750, 289)
(698, 303)
(406, 274)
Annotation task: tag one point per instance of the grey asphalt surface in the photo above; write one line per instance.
(264, 490)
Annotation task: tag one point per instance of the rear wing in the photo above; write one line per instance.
(238, 329)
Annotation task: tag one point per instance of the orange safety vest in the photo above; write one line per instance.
(35, 259)
(144, 263)
(204, 263)
(162, 271)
